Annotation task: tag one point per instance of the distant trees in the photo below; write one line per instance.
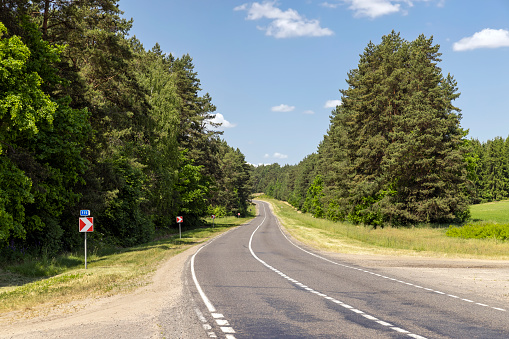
(490, 170)
(90, 119)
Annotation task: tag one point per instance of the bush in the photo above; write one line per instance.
(480, 231)
(218, 211)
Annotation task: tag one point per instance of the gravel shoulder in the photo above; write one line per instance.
(480, 278)
(162, 309)
(158, 310)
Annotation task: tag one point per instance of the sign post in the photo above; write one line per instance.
(213, 218)
(180, 220)
(238, 215)
(86, 224)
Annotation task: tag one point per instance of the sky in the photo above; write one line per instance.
(274, 68)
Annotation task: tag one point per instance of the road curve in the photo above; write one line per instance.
(254, 282)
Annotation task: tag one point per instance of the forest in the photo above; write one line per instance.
(90, 119)
(395, 152)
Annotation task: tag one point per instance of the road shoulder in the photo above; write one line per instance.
(157, 310)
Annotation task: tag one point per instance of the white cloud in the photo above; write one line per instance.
(373, 8)
(219, 119)
(332, 103)
(329, 5)
(282, 108)
(276, 155)
(487, 38)
(308, 112)
(376, 8)
(284, 24)
(242, 7)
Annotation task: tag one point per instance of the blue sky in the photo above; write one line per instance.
(274, 68)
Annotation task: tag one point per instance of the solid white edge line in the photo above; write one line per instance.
(362, 270)
(226, 329)
(204, 297)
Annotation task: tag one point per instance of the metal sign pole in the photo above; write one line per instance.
(86, 250)
(180, 220)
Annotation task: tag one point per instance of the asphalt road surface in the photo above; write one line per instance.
(255, 282)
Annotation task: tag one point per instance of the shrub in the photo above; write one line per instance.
(480, 231)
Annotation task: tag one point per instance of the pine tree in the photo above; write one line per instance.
(397, 138)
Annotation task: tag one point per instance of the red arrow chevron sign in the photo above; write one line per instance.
(87, 224)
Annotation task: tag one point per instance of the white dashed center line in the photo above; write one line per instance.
(383, 276)
(340, 303)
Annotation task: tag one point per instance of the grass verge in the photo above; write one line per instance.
(118, 271)
(414, 241)
(497, 211)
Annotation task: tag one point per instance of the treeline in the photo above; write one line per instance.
(490, 170)
(395, 152)
(90, 119)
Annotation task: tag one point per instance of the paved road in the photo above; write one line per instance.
(254, 282)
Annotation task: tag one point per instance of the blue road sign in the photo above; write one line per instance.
(84, 213)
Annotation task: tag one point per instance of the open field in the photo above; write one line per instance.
(413, 241)
(497, 211)
(114, 271)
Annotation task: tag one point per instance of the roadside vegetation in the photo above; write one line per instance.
(110, 270)
(489, 221)
(422, 240)
(91, 119)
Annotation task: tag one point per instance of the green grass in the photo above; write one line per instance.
(109, 270)
(497, 211)
(489, 221)
(348, 238)
(480, 230)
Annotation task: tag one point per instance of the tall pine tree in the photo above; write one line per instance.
(397, 138)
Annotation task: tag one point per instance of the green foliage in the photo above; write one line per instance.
(91, 120)
(162, 158)
(48, 153)
(123, 220)
(490, 174)
(15, 189)
(369, 212)
(334, 212)
(313, 202)
(218, 211)
(192, 190)
(397, 131)
(480, 231)
(23, 104)
(232, 187)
